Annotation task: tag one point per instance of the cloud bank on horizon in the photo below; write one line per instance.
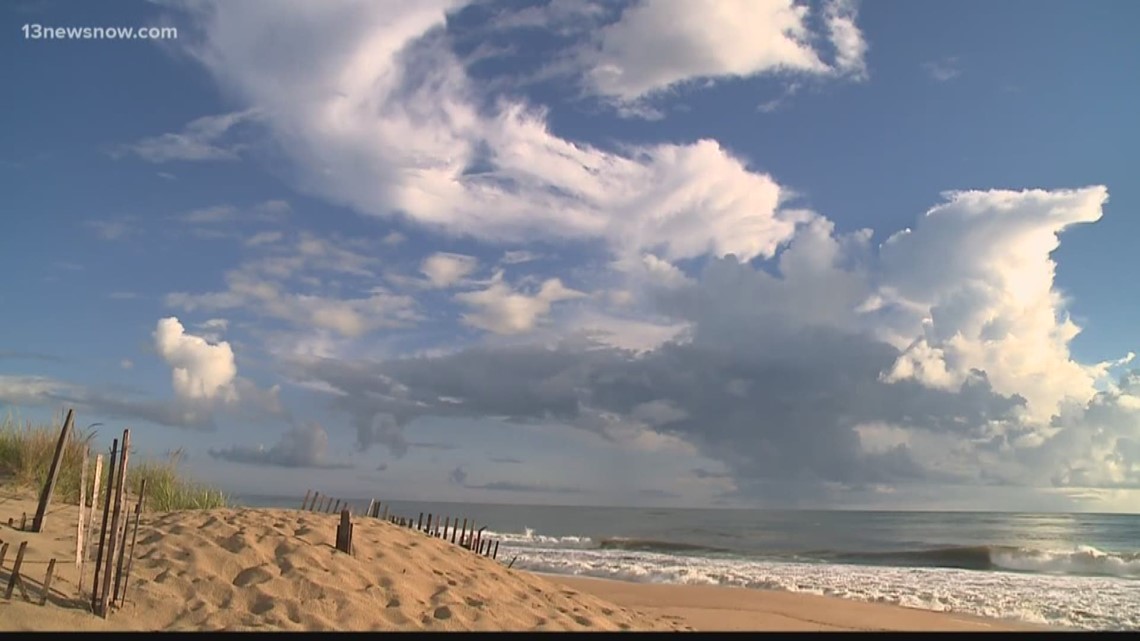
(662, 297)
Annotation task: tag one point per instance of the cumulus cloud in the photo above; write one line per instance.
(199, 369)
(201, 140)
(658, 45)
(502, 310)
(380, 116)
(446, 270)
(294, 283)
(304, 446)
(790, 377)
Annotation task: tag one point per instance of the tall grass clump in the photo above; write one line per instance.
(25, 458)
(26, 452)
(168, 490)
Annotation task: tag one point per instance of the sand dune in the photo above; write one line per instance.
(262, 569)
(277, 570)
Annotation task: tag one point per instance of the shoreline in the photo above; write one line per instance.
(718, 608)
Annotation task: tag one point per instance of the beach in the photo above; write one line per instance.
(276, 569)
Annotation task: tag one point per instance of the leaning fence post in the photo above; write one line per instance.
(123, 547)
(53, 473)
(134, 541)
(386, 506)
(105, 591)
(15, 579)
(495, 554)
(103, 528)
(305, 501)
(371, 504)
(47, 582)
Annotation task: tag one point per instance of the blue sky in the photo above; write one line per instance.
(591, 253)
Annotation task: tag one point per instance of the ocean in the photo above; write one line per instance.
(1072, 570)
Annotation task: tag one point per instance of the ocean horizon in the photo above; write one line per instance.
(1073, 570)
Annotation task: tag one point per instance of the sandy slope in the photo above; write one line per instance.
(277, 570)
(259, 569)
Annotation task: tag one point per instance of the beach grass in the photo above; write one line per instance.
(26, 451)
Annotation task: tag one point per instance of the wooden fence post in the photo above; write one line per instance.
(305, 501)
(3, 553)
(123, 549)
(495, 554)
(47, 582)
(112, 547)
(103, 529)
(97, 483)
(82, 506)
(14, 579)
(371, 504)
(386, 512)
(420, 522)
(53, 473)
(344, 533)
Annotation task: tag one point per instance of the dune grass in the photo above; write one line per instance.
(26, 451)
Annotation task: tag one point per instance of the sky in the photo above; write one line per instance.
(711, 253)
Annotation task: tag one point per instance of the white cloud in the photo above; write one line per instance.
(297, 284)
(264, 238)
(380, 116)
(201, 140)
(199, 369)
(502, 310)
(943, 69)
(518, 256)
(113, 229)
(978, 286)
(656, 46)
(850, 45)
(446, 270)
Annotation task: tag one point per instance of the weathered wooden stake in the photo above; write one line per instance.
(105, 591)
(316, 500)
(344, 533)
(386, 512)
(97, 483)
(428, 529)
(454, 527)
(479, 536)
(336, 508)
(371, 504)
(446, 524)
(82, 506)
(3, 553)
(53, 473)
(123, 549)
(103, 529)
(47, 582)
(420, 522)
(24, 522)
(463, 532)
(14, 579)
(134, 541)
(305, 501)
(509, 565)
(495, 554)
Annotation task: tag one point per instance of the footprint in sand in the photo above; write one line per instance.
(581, 620)
(393, 603)
(475, 603)
(442, 613)
(252, 576)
